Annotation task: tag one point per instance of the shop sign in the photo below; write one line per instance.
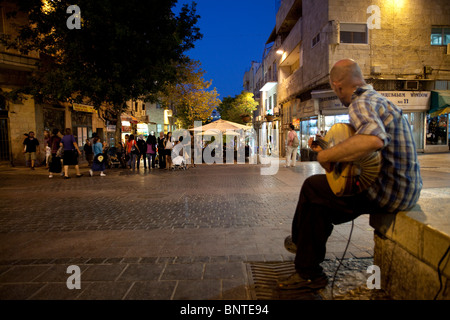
(84, 108)
(126, 126)
(142, 128)
(330, 103)
(309, 108)
(410, 100)
(327, 99)
(111, 128)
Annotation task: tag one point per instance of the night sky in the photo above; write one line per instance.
(234, 35)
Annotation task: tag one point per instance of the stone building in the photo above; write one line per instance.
(401, 46)
(20, 116)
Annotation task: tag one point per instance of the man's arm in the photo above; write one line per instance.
(351, 149)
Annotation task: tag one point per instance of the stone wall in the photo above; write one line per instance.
(401, 47)
(22, 119)
(315, 59)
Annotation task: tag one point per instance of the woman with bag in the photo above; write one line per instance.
(168, 149)
(99, 162)
(71, 153)
(132, 151)
(151, 150)
(292, 145)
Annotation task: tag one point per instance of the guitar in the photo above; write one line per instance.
(349, 178)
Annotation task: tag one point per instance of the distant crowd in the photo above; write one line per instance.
(63, 152)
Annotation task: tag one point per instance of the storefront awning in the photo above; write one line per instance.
(130, 118)
(440, 102)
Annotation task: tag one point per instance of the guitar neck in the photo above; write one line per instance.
(321, 143)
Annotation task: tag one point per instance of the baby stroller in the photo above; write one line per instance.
(179, 163)
(112, 158)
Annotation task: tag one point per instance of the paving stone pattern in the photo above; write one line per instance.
(160, 235)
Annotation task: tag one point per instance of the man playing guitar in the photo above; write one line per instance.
(379, 126)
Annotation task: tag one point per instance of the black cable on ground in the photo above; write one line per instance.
(439, 272)
(343, 256)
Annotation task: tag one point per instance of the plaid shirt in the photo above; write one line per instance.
(399, 183)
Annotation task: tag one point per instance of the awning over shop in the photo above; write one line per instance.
(130, 118)
(440, 102)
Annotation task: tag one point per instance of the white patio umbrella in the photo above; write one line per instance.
(222, 125)
(214, 132)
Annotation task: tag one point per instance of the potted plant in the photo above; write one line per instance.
(246, 118)
(269, 117)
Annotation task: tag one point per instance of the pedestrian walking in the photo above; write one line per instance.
(142, 146)
(292, 145)
(71, 153)
(379, 126)
(88, 152)
(168, 146)
(132, 152)
(121, 154)
(126, 156)
(31, 149)
(161, 150)
(48, 150)
(151, 150)
(55, 165)
(99, 159)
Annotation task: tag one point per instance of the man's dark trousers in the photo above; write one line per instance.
(318, 210)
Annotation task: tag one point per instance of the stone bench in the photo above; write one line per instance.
(410, 245)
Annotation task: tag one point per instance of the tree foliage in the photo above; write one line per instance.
(233, 109)
(192, 97)
(124, 49)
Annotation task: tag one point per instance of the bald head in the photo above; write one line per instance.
(347, 72)
(345, 78)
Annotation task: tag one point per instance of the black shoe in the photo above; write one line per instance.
(65, 177)
(290, 245)
(79, 175)
(295, 282)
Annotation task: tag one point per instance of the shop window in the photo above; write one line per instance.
(353, 33)
(416, 120)
(4, 140)
(437, 128)
(440, 36)
(2, 21)
(2, 103)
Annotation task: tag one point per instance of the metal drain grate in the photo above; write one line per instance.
(263, 278)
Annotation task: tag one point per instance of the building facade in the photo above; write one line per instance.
(401, 46)
(20, 116)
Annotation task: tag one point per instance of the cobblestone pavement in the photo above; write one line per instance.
(163, 235)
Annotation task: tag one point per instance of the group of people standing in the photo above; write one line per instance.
(149, 150)
(62, 151)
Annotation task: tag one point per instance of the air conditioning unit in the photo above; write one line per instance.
(412, 85)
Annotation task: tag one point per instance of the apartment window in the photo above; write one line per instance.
(440, 36)
(315, 40)
(353, 33)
